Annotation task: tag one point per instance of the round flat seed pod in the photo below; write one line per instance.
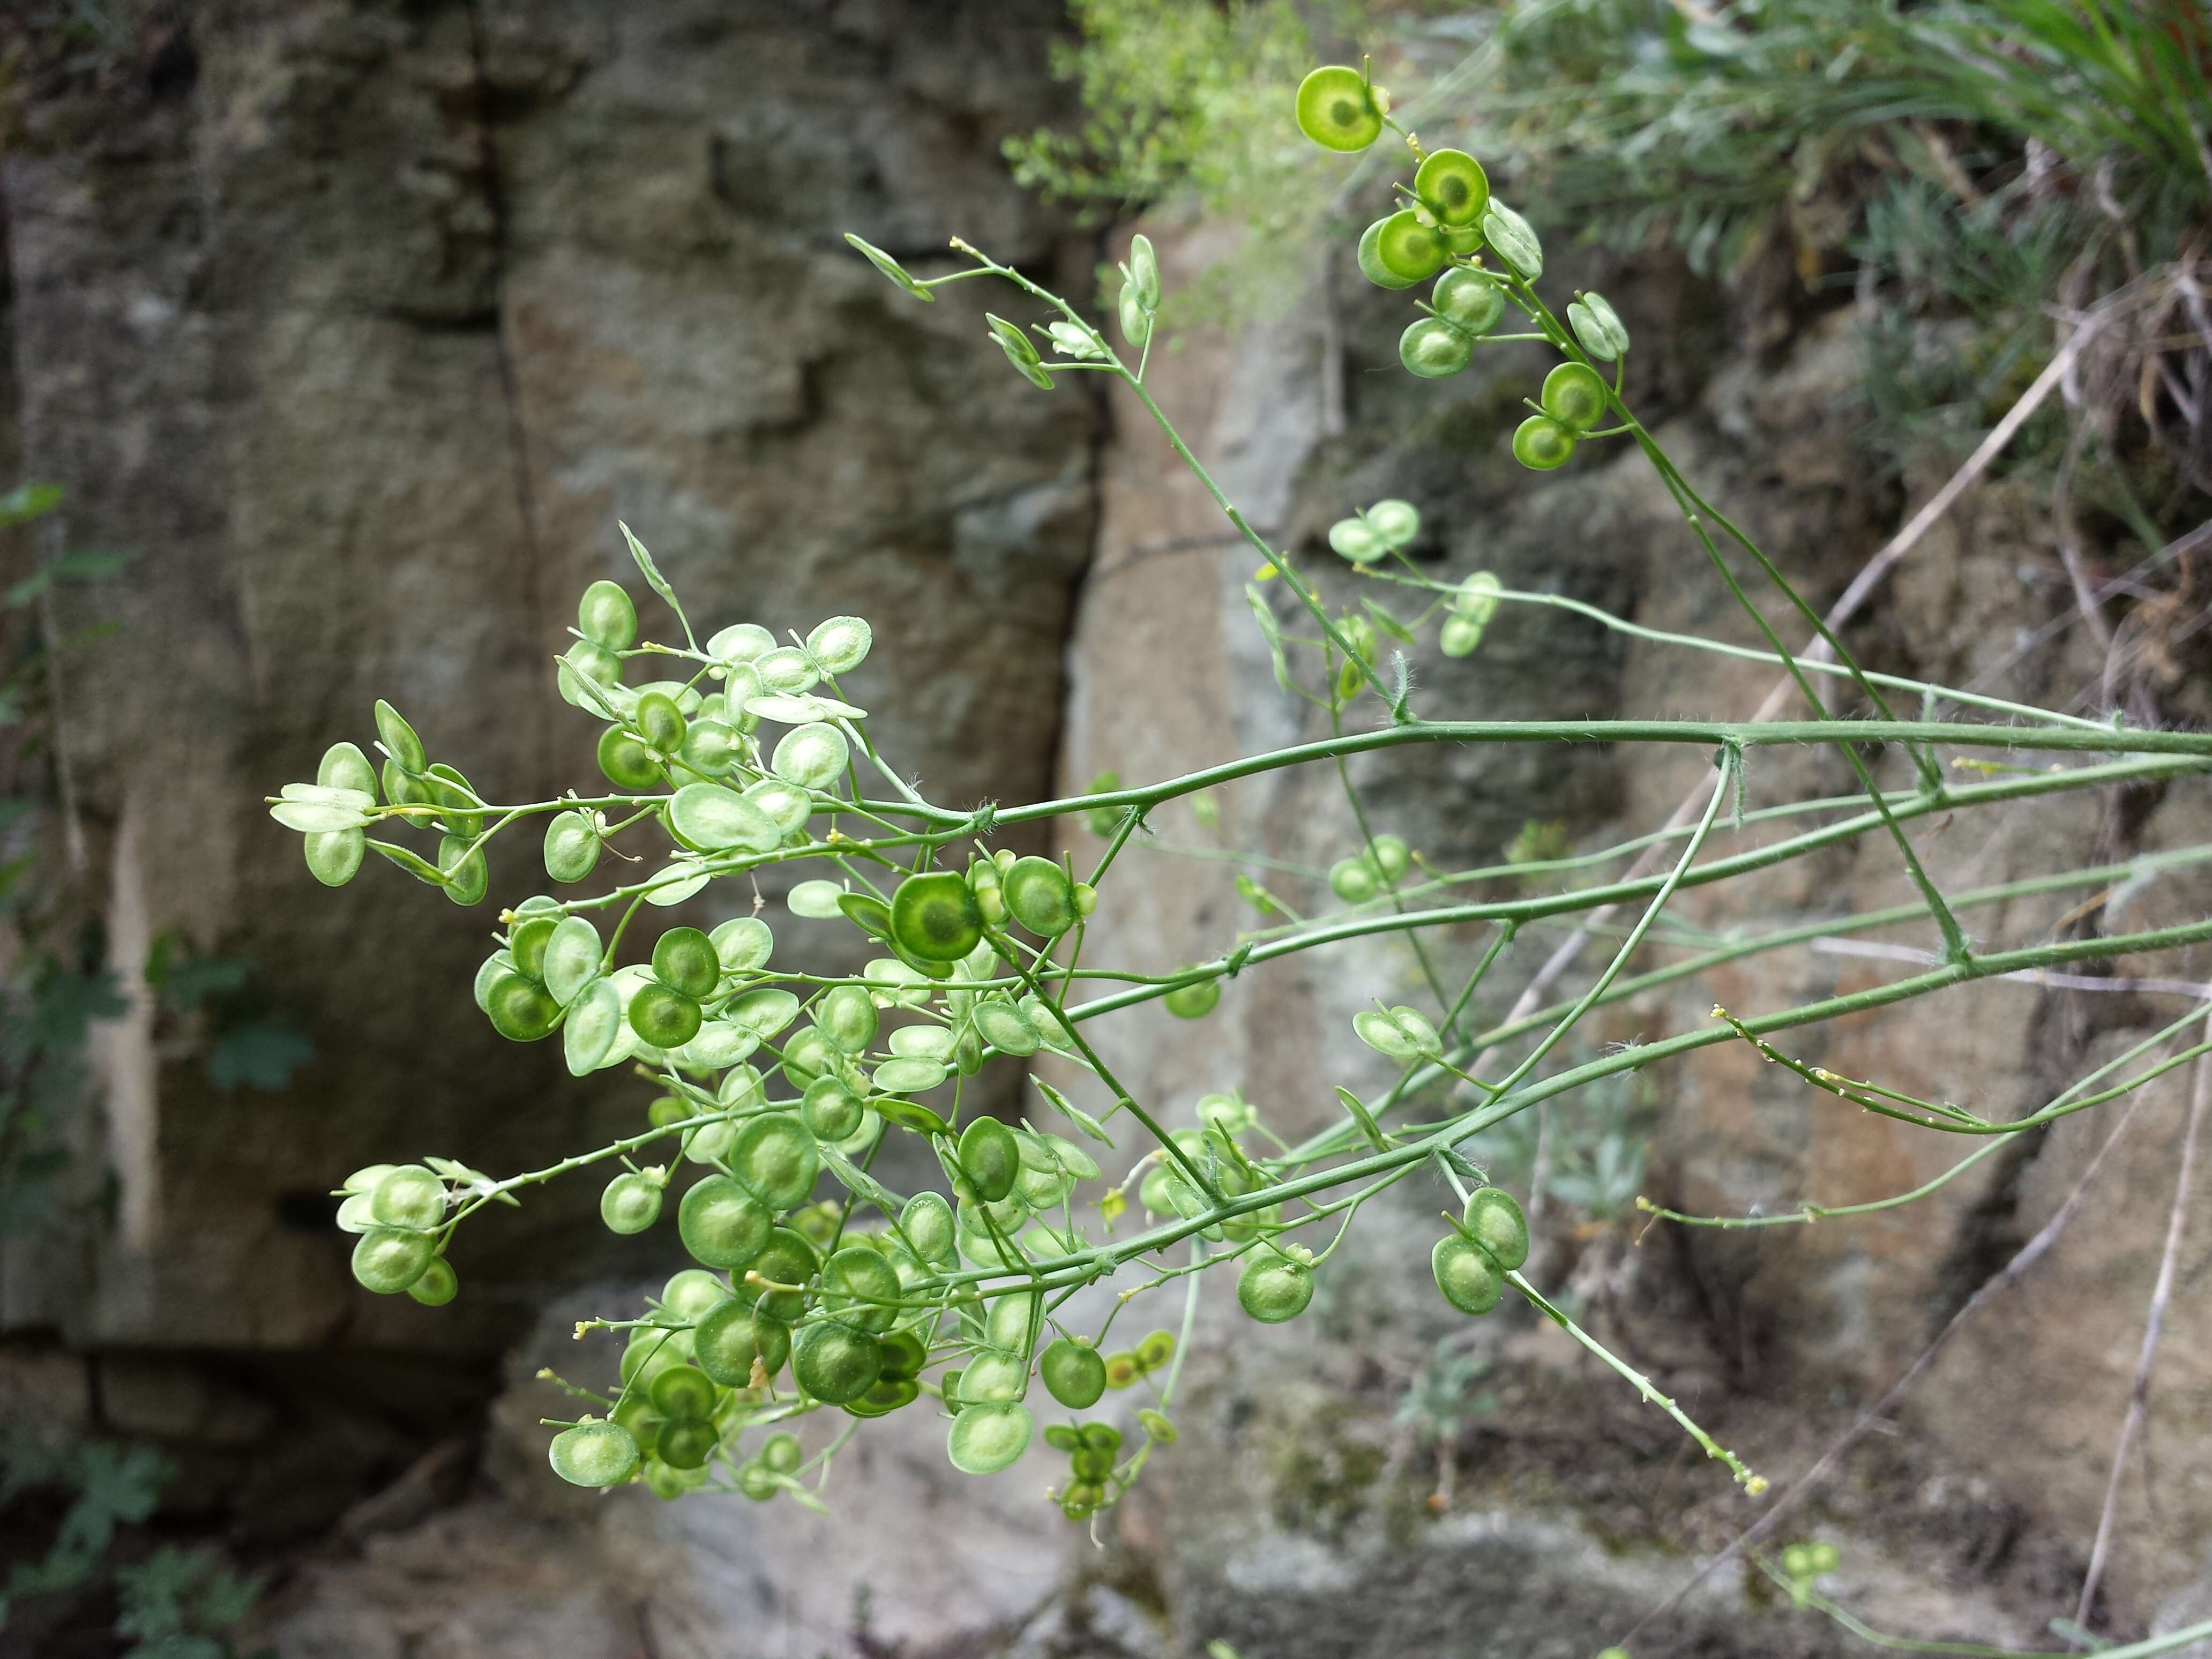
(438, 1285)
(650, 1351)
(572, 846)
(744, 944)
(1468, 298)
(712, 747)
(831, 1110)
(526, 941)
(1469, 1277)
(1192, 1001)
(786, 671)
(1542, 443)
(1574, 396)
(847, 1017)
(693, 1292)
(344, 766)
(659, 721)
(1452, 186)
(788, 1259)
(684, 959)
(776, 1159)
(1004, 1028)
(1495, 1219)
(1434, 349)
(468, 877)
(626, 761)
(1273, 1288)
(570, 958)
(813, 757)
(1012, 1322)
(1337, 109)
(410, 1196)
(985, 1439)
(686, 1443)
(731, 1337)
(713, 820)
(594, 1029)
(841, 644)
(519, 1010)
(1040, 896)
(858, 1286)
(990, 1158)
(1408, 249)
(664, 1018)
(630, 1203)
(387, 1260)
(934, 917)
(606, 617)
(1074, 1374)
(766, 1010)
(719, 1044)
(582, 667)
(334, 856)
(926, 1224)
(787, 806)
(994, 1379)
(740, 642)
(1371, 259)
(817, 901)
(1514, 238)
(922, 1043)
(594, 1454)
(835, 1363)
(721, 1224)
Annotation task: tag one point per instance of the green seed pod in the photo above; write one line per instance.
(1194, 1001)
(344, 766)
(1145, 270)
(1496, 1221)
(730, 1336)
(841, 644)
(1470, 1281)
(858, 1286)
(835, 1363)
(400, 742)
(334, 856)
(904, 1357)
(593, 1455)
(1351, 880)
(831, 1110)
(1574, 396)
(1512, 236)
(787, 1258)
(1136, 321)
(1824, 1558)
(1399, 1033)
(1452, 186)
(884, 1395)
(596, 1033)
(1040, 897)
(816, 900)
(572, 846)
(693, 1292)
(1003, 1027)
(987, 1438)
(631, 1204)
(994, 1379)
(744, 944)
(682, 1391)
(926, 1224)
(1074, 1374)
(1398, 523)
(934, 917)
(787, 806)
(721, 1224)
(438, 1285)
(1541, 443)
(468, 876)
(1338, 110)
(990, 1158)
(664, 1018)
(781, 1453)
(766, 1010)
(806, 1056)
(712, 819)
(659, 721)
(387, 1260)
(684, 959)
(410, 1196)
(712, 747)
(847, 1017)
(583, 661)
(525, 943)
(1353, 539)
(650, 1351)
(570, 959)
(1409, 249)
(1598, 327)
(1088, 1464)
(627, 762)
(607, 617)
(1011, 1321)
(1392, 856)
(1468, 298)
(1433, 348)
(1156, 1349)
(1122, 1370)
(776, 1159)
(1273, 1288)
(1371, 264)
(1477, 599)
(813, 756)
(686, 1443)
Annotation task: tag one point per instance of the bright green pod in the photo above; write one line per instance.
(1273, 1288)
(1338, 110)
(1194, 1001)
(519, 1010)
(722, 1225)
(606, 617)
(682, 1391)
(987, 1438)
(1433, 348)
(813, 757)
(438, 1285)
(1452, 186)
(1073, 1373)
(934, 917)
(1391, 856)
(468, 876)
(787, 1258)
(1156, 1349)
(628, 763)
(631, 1204)
(1357, 540)
(1398, 523)
(594, 1454)
(731, 1337)
(651, 1351)
(1574, 396)
(1468, 298)
(835, 1363)
(572, 846)
(1408, 249)
(867, 912)
(660, 722)
(744, 944)
(1371, 259)
(693, 1292)
(904, 1356)
(1459, 636)
(526, 941)
(776, 1159)
(806, 1056)
(884, 1395)
(1040, 896)
(712, 747)
(684, 959)
(926, 1224)
(858, 1286)
(458, 804)
(334, 856)
(1470, 1279)
(400, 742)
(1494, 1217)
(1542, 443)
(990, 1158)
(408, 1196)
(595, 1033)
(387, 1260)
(1145, 270)
(1005, 1028)
(847, 1017)
(831, 1110)
(686, 1443)
(665, 1018)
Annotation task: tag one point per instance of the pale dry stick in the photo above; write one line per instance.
(1828, 945)
(1842, 611)
(1876, 1414)
(2162, 1293)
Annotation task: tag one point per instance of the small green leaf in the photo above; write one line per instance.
(891, 267)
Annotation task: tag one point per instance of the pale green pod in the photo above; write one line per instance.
(1003, 1026)
(344, 766)
(841, 644)
(744, 944)
(847, 1017)
(334, 856)
(922, 1043)
(572, 846)
(813, 757)
(787, 806)
(720, 1043)
(719, 820)
(594, 1029)
(987, 1438)
(571, 958)
(1459, 636)
(815, 900)
(1512, 236)
(674, 882)
(787, 669)
(767, 1011)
